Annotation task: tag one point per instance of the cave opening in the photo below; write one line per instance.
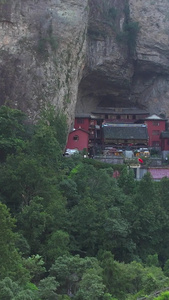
(97, 92)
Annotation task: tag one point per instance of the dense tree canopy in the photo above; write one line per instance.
(68, 229)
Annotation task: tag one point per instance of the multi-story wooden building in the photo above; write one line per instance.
(78, 139)
(125, 135)
(155, 126)
(118, 127)
(98, 123)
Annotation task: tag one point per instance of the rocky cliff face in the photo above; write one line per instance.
(78, 52)
(124, 63)
(109, 69)
(42, 50)
(150, 82)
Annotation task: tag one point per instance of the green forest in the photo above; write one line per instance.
(68, 228)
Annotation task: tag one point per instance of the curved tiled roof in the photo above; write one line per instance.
(154, 117)
(125, 131)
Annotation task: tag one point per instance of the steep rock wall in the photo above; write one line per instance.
(79, 51)
(109, 69)
(112, 69)
(42, 50)
(150, 83)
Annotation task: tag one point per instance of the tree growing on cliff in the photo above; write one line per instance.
(130, 31)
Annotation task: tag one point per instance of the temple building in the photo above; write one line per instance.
(118, 125)
(155, 126)
(125, 135)
(78, 139)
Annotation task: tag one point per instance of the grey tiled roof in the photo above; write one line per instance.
(154, 117)
(125, 131)
(123, 111)
(82, 115)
